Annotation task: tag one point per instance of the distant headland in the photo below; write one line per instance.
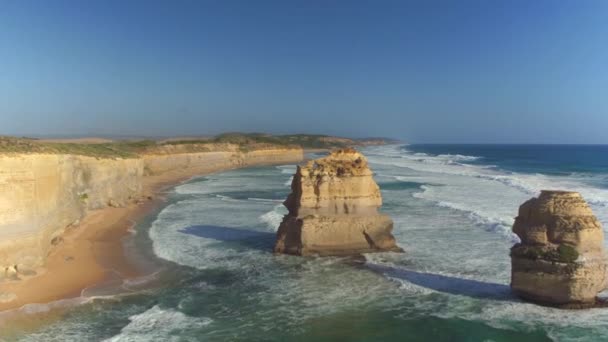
(128, 147)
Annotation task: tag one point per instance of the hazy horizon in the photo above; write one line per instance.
(419, 71)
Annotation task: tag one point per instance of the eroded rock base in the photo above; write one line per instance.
(335, 235)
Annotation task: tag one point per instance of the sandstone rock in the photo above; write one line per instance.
(333, 209)
(561, 259)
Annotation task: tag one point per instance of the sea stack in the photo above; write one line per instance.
(561, 259)
(333, 209)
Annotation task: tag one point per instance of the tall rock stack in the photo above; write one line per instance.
(333, 209)
(561, 259)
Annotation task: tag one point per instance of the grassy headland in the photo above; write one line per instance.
(134, 148)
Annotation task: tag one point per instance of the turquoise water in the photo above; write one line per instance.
(213, 276)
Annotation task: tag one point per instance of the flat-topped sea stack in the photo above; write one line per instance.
(561, 259)
(333, 209)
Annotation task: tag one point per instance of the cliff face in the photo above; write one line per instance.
(561, 259)
(333, 209)
(42, 194)
(155, 164)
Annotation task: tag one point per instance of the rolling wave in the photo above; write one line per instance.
(471, 187)
(158, 324)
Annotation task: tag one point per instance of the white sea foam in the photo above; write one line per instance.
(480, 298)
(491, 196)
(288, 182)
(451, 268)
(158, 324)
(480, 213)
(36, 308)
(320, 286)
(274, 217)
(226, 198)
(133, 283)
(287, 169)
(187, 231)
(264, 200)
(457, 157)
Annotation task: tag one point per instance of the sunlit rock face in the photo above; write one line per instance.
(333, 209)
(561, 259)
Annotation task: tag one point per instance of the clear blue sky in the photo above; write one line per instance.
(424, 71)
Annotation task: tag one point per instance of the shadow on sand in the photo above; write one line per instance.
(451, 285)
(243, 237)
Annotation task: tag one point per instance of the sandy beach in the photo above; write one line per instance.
(86, 256)
(90, 253)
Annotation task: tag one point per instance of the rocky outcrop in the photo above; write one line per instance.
(333, 209)
(561, 259)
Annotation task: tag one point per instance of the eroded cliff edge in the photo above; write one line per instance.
(333, 209)
(41, 195)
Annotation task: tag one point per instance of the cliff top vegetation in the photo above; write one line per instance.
(133, 148)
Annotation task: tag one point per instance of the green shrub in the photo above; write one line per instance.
(567, 253)
(134, 148)
(564, 253)
(528, 252)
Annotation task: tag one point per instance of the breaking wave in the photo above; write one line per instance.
(158, 324)
(473, 188)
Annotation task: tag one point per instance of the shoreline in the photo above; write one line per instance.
(93, 252)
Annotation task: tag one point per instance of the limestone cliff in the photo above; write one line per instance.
(228, 157)
(43, 194)
(333, 209)
(561, 259)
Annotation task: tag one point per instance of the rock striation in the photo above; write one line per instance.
(42, 195)
(561, 259)
(333, 209)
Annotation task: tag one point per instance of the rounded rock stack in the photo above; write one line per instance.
(333, 209)
(561, 259)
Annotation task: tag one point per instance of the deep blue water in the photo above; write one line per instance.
(547, 159)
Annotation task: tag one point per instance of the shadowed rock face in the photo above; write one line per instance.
(333, 209)
(561, 259)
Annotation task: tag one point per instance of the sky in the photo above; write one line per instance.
(421, 71)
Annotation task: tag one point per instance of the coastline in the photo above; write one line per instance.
(93, 252)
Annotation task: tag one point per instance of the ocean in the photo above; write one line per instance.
(213, 277)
